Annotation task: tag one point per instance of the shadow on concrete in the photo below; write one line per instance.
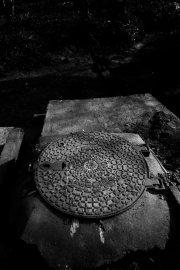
(27, 256)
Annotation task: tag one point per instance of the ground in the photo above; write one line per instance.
(38, 64)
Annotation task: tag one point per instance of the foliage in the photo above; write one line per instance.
(163, 15)
(46, 27)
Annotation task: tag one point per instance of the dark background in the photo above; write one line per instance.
(54, 49)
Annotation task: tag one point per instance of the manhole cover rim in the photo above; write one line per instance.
(104, 215)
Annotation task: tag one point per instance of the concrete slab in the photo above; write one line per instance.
(101, 114)
(68, 243)
(74, 243)
(4, 132)
(10, 143)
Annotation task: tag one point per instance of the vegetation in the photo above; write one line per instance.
(40, 31)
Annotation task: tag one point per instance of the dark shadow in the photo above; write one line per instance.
(170, 256)
(26, 257)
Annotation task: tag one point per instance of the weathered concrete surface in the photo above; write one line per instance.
(4, 132)
(10, 143)
(68, 243)
(101, 114)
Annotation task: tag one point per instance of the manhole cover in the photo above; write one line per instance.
(92, 175)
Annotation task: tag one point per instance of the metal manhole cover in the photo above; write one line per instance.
(92, 175)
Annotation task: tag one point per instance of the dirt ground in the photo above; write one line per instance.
(27, 84)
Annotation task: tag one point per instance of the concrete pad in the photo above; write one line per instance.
(10, 143)
(101, 114)
(74, 243)
(69, 243)
(4, 132)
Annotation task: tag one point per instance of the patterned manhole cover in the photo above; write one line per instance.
(92, 175)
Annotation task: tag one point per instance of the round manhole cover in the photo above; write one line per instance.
(92, 175)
